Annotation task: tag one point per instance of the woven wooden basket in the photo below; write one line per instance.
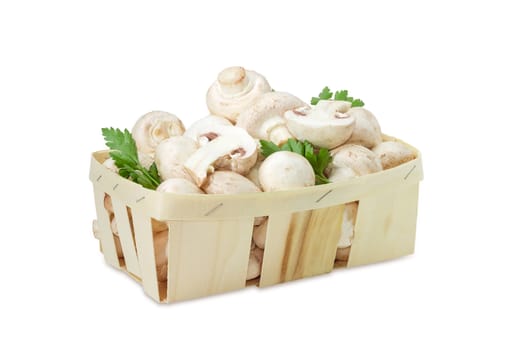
(210, 235)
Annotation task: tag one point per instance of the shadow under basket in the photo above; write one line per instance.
(210, 235)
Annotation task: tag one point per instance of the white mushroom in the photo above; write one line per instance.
(228, 182)
(235, 90)
(178, 185)
(259, 234)
(358, 158)
(285, 170)
(234, 149)
(326, 125)
(206, 129)
(347, 231)
(109, 164)
(392, 153)
(154, 127)
(255, 263)
(171, 154)
(367, 131)
(265, 118)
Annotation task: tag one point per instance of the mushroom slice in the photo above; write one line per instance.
(171, 154)
(326, 125)
(154, 127)
(367, 131)
(264, 119)
(393, 153)
(285, 170)
(234, 90)
(233, 150)
(206, 129)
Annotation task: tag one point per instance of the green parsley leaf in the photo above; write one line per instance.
(340, 95)
(318, 160)
(125, 155)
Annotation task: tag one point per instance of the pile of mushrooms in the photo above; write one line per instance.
(220, 153)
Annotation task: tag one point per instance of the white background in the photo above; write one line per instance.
(438, 74)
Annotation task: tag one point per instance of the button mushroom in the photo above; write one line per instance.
(178, 185)
(392, 153)
(235, 90)
(347, 231)
(359, 159)
(234, 149)
(171, 154)
(255, 263)
(367, 131)
(264, 119)
(206, 129)
(285, 170)
(154, 127)
(228, 182)
(326, 125)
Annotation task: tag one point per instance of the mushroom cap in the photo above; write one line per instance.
(206, 129)
(259, 234)
(255, 263)
(234, 90)
(234, 149)
(349, 220)
(360, 159)
(171, 154)
(264, 119)
(285, 170)
(367, 131)
(341, 173)
(178, 185)
(153, 127)
(326, 125)
(392, 154)
(228, 182)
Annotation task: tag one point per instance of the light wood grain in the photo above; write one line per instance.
(207, 257)
(126, 237)
(385, 225)
(301, 245)
(104, 226)
(146, 256)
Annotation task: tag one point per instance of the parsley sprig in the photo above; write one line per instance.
(125, 156)
(319, 159)
(341, 95)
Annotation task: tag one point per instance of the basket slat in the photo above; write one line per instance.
(146, 257)
(125, 234)
(300, 245)
(106, 235)
(385, 225)
(208, 257)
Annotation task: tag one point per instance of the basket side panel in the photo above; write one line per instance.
(301, 244)
(385, 225)
(146, 256)
(125, 234)
(207, 257)
(106, 236)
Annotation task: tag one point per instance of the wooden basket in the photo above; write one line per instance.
(210, 235)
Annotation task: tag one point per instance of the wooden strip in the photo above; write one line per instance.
(106, 236)
(146, 257)
(385, 225)
(126, 238)
(207, 257)
(300, 245)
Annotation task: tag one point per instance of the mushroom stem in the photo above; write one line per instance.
(233, 80)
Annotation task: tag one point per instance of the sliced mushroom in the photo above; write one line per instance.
(285, 170)
(326, 125)
(154, 127)
(235, 90)
(392, 154)
(171, 154)
(367, 131)
(206, 129)
(265, 118)
(234, 149)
